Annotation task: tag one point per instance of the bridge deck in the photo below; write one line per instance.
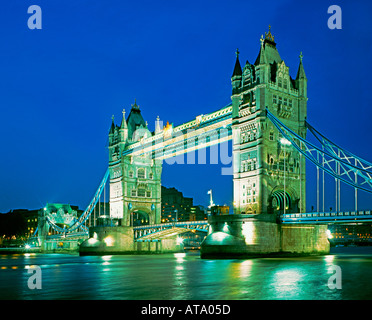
(328, 217)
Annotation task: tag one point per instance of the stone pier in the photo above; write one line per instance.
(120, 240)
(246, 236)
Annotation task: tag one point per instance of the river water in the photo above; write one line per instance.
(185, 276)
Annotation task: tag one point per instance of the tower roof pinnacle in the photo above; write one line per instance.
(237, 68)
(269, 36)
(123, 121)
(112, 129)
(135, 106)
(301, 71)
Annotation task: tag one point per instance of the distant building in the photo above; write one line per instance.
(358, 234)
(220, 210)
(176, 207)
(20, 224)
(198, 213)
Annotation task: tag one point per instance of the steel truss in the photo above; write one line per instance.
(79, 223)
(329, 157)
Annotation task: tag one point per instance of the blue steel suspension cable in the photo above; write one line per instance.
(79, 222)
(284, 129)
(316, 133)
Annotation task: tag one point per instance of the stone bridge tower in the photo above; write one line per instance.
(268, 173)
(135, 181)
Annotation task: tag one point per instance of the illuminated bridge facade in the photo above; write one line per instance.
(267, 124)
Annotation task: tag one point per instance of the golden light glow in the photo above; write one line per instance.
(109, 241)
(249, 232)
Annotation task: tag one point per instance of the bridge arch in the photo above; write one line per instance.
(140, 216)
(278, 198)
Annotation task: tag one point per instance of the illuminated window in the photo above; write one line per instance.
(280, 82)
(141, 173)
(141, 192)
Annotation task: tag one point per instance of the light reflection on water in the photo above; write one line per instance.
(186, 276)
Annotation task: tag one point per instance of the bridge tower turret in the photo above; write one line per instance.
(269, 175)
(236, 82)
(135, 181)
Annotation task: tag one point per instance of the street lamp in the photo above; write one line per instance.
(284, 142)
(131, 214)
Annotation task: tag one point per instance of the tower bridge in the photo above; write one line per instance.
(267, 123)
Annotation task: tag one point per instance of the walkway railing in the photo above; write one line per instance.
(327, 217)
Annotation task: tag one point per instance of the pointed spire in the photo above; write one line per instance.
(301, 71)
(112, 129)
(237, 68)
(261, 59)
(135, 106)
(157, 125)
(123, 121)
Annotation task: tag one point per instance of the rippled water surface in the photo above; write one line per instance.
(186, 276)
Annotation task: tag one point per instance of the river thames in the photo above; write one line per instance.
(185, 276)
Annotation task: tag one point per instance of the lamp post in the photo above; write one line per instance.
(284, 142)
(131, 214)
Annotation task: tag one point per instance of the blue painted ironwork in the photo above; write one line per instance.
(327, 158)
(88, 211)
(146, 230)
(327, 217)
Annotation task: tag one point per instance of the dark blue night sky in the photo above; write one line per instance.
(59, 86)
